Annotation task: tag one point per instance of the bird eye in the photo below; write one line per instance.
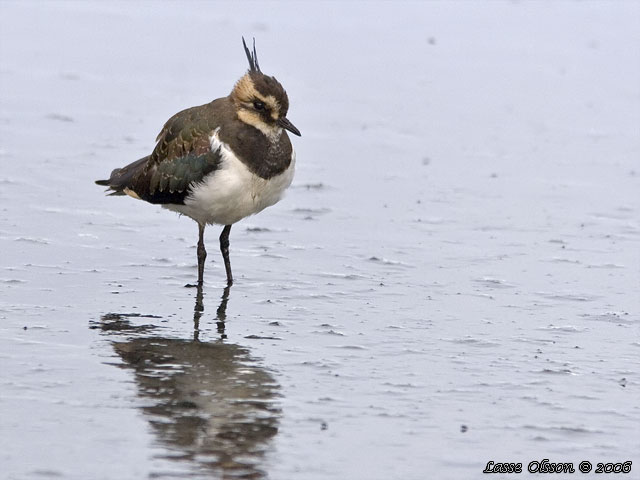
(258, 105)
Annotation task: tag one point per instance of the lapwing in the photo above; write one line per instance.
(219, 162)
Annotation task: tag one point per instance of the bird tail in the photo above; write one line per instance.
(122, 178)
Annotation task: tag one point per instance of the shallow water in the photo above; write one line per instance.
(451, 279)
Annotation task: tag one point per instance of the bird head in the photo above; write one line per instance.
(260, 100)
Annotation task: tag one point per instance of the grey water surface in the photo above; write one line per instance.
(451, 279)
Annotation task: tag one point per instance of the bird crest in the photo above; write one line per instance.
(251, 56)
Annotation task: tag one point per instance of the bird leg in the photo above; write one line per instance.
(202, 254)
(224, 249)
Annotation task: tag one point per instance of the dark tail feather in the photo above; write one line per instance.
(122, 178)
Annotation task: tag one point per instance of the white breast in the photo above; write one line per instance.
(233, 192)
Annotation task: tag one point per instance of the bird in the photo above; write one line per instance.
(219, 162)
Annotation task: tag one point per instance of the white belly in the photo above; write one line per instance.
(232, 192)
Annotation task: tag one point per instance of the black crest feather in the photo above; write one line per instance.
(251, 56)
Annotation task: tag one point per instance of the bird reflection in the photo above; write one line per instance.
(209, 403)
(221, 314)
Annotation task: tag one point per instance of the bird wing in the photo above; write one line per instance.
(181, 157)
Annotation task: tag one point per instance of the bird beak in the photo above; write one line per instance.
(287, 125)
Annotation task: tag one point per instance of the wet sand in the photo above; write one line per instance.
(451, 279)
